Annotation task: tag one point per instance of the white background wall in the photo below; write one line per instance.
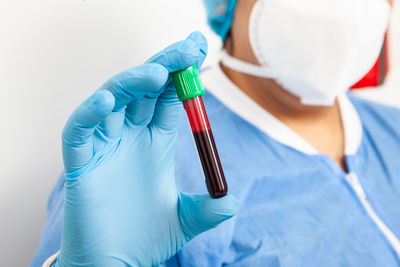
(53, 54)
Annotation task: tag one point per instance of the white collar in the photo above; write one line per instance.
(218, 84)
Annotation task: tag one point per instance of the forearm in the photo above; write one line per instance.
(51, 233)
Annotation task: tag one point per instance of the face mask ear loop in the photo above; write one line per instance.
(245, 67)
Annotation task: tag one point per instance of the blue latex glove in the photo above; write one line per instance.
(121, 204)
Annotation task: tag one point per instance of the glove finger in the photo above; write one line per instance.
(140, 110)
(182, 54)
(146, 80)
(78, 132)
(110, 128)
(201, 41)
(199, 213)
(168, 111)
(175, 57)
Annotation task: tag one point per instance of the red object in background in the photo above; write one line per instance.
(376, 76)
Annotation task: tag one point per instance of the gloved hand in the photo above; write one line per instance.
(121, 204)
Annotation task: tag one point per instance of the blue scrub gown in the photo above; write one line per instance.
(296, 209)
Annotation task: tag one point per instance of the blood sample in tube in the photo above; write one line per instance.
(190, 90)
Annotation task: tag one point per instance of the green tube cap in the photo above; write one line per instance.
(188, 83)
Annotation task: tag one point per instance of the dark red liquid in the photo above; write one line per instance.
(215, 178)
(206, 148)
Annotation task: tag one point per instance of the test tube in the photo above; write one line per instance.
(190, 90)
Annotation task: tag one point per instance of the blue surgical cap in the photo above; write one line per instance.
(220, 15)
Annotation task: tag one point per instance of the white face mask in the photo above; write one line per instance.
(315, 49)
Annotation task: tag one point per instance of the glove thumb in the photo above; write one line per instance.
(199, 213)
